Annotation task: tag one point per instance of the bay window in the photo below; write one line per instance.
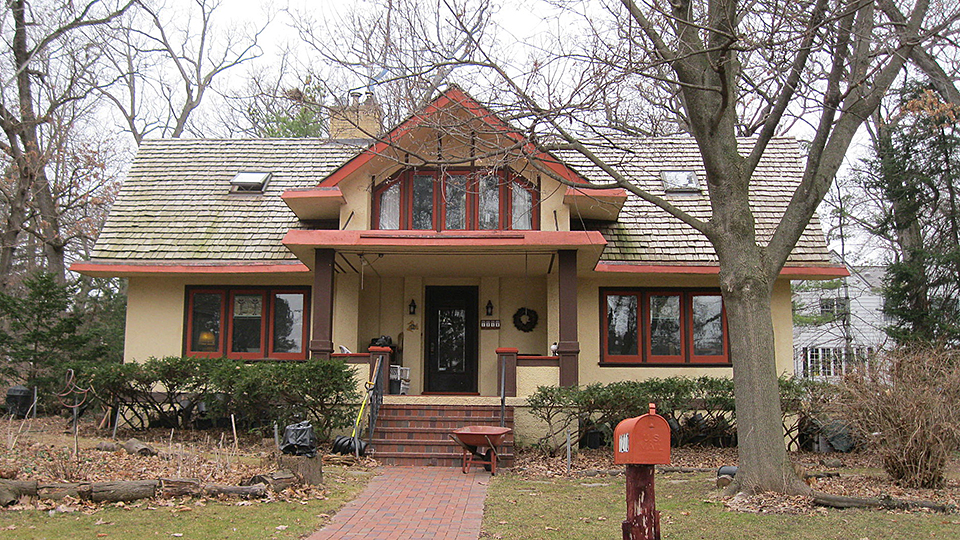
(247, 323)
(668, 327)
(424, 199)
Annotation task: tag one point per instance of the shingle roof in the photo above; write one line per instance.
(175, 203)
(646, 234)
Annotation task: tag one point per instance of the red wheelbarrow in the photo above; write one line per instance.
(473, 438)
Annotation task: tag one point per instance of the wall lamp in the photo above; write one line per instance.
(412, 308)
(489, 308)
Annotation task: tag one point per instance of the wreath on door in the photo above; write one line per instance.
(525, 319)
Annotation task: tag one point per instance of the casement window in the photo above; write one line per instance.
(247, 323)
(456, 200)
(666, 327)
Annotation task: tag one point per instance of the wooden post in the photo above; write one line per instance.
(643, 520)
(383, 355)
(321, 344)
(507, 358)
(568, 348)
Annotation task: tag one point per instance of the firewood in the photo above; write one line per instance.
(12, 490)
(134, 446)
(277, 481)
(246, 492)
(123, 491)
(178, 487)
(57, 491)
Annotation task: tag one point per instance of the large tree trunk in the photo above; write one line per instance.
(764, 464)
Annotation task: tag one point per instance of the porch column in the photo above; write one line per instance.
(507, 371)
(321, 345)
(381, 354)
(568, 349)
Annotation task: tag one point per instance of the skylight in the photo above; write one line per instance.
(249, 182)
(680, 181)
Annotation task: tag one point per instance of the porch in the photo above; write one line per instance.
(415, 429)
(448, 313)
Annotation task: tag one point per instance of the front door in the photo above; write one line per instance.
(451, 339)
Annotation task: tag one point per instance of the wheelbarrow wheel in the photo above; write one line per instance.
(488, 457)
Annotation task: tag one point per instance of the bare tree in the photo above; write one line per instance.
(399, 47)
(735, 68)
(166, 61)
(49, 56)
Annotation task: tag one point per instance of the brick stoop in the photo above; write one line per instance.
(420, 434)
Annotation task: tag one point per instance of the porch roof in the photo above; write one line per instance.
(448, 252)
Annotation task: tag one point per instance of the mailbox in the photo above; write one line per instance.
(644, 440)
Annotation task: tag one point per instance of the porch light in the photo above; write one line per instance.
(412, 308)
(489, 308)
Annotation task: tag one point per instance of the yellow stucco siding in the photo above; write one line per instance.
(589, 319)
(155, 309)
(154, 324)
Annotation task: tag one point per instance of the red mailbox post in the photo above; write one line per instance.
(640, 443)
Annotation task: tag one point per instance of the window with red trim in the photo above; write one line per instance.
(663, 326)
(247, 323)
(426, 199)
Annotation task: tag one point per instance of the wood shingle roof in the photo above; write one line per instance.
(645, 234)
(176, 207)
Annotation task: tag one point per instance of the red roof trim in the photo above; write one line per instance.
(317, 193)
(225, 268)
(328, 238)
(788, 271)
(457, 96)
(596, 193)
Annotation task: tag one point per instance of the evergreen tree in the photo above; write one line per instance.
(916, 169)
(39, 332)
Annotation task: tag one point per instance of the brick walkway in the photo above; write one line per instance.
(413, 503)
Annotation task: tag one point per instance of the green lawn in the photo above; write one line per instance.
(212, 520)
(593, 508)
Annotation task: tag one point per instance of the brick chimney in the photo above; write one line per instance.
(358, 120)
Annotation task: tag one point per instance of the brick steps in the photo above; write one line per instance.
(420, 434)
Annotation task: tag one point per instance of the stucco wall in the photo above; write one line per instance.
(155, 309)
(590, 321)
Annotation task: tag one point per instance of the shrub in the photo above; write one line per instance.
(556, 406)
(169, 391)
(699, 411)
(905, 407)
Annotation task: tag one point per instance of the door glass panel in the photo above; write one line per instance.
(288, 323)
(247, 314)
(390, 208)
(707, 326)
(665, 325)
(451, 340)
(621, 325)
(455, 201)
(489, 195)
(205, 331)
(522, 208)
(422, 202)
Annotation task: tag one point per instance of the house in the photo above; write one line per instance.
(838, 323)
(487, 271)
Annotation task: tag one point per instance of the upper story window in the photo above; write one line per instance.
(455, 200)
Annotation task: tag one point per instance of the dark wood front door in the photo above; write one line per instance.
(451, 339)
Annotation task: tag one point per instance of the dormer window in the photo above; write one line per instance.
(423, 199)
(249, 182)
(680, 181)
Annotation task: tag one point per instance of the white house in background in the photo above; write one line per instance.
(837, 322)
